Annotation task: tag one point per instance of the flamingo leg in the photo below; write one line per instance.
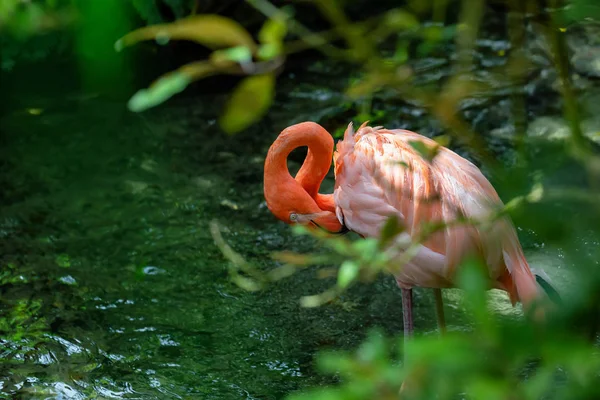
(407, 313)
(439, 310)
(407, 321)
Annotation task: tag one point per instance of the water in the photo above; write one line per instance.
(112, 284)
(126, 295)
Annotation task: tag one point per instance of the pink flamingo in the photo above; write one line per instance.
(378, 174)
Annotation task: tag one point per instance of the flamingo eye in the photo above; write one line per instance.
(293, 217)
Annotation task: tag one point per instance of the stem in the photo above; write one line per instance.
(439, 309)
(516, 31)
(314, 40)
(578, 143)
(580, 147)
(362, 49)
(470, 19)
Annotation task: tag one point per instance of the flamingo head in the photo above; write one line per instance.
(293, 205)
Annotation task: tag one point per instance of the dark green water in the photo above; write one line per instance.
(112, 286)
(120, 289)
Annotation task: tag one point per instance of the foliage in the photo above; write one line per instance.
(39, 29)
(493, 358)
(496, 358)
(234, 53)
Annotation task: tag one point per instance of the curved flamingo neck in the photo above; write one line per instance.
(315, 166)
(325, 202)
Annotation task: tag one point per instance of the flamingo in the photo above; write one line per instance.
(379, 174)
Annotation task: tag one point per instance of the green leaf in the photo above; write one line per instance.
(391, 229)
(269, 51)
(536, 194)
(273, 31)
(366, 248)
(374, 349)
(271, 36)
(246, 283)
(473, 279)
(176, 81)
(433, 33)
(249, 102)
(425, 151)
(348, 273)
(160, 91)
(318, 299)
(471, 276)
(212, 31)
(443, 140)
(401, 53)
(300, 230)
(239, 54)
(400, 19)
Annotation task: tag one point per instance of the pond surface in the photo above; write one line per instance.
(112, 286)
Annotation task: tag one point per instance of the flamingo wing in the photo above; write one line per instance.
(379, 174)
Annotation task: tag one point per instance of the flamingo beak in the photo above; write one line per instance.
(325, 220)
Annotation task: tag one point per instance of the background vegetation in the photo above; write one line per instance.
(524, 108)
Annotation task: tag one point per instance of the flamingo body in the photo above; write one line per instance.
(378, 173)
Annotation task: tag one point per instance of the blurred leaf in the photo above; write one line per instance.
(400, 19)
(163, 89)
(366, 248)
(536, 194)
(390, 230)
(246, 283)
(433, 33)
(347, 274)
(249, 102)
(374, 349)
(428, 153)
(292, 258)
(268, 51)
(271, 36)
(175, 82)
(35, 111)
(273, 31)
(212, 31)
(473, 279)
(318, 299)
(239, 54)
(401, 53)
(443, 140)
(434, 36)
(378, 80)
(281, 272)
